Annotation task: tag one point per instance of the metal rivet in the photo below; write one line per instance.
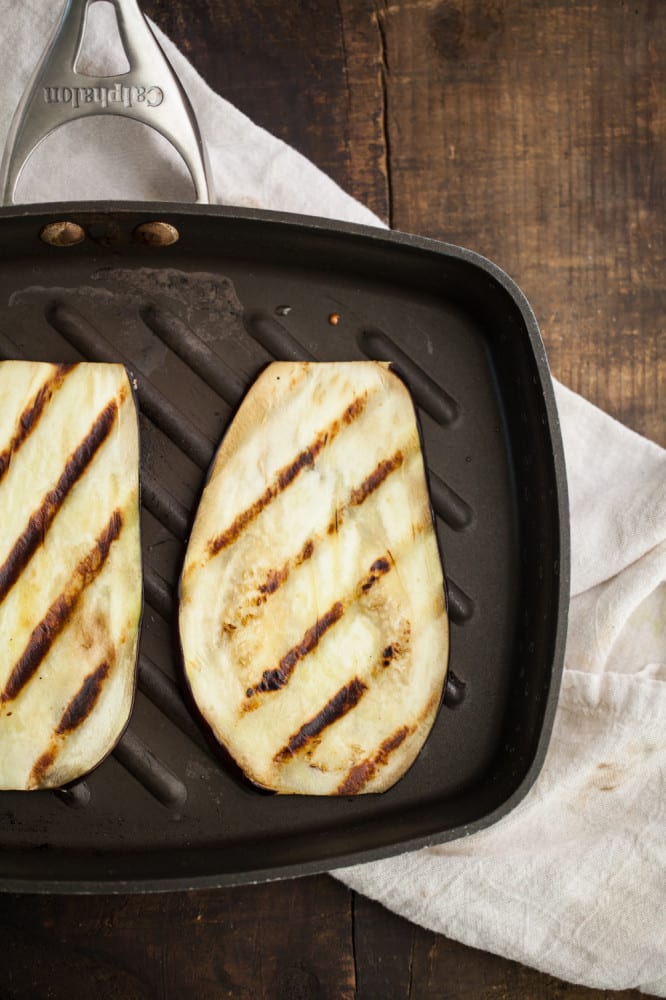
(334, 319)
(156, 234)
(62, 234)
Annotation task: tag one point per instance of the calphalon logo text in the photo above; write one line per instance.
(104, 97)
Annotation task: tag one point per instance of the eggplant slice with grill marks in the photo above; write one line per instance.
(70, 568)
(312, 610)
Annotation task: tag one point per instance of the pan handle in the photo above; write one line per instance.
(150, 93)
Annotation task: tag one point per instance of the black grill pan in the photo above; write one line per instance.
(195, 322)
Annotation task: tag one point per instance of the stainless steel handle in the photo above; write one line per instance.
(150, 92)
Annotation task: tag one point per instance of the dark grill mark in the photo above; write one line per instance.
(31, 414)
(241, 522)
(341, 703)
(377, 570)
(355, 409)
(357, 778)
(361, 493)
(391, 744)
(361, 774)
(375, 479)
(44, 635)
(273, 580)
(286, 476)
(305, 460)
(305, 552)
(276, 577)
(84, 700)
(273, 680)
(389, 653)
(41, 519)
(41, 766)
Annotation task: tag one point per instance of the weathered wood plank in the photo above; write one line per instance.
(307, 72)
(283, 940)
(534, 133)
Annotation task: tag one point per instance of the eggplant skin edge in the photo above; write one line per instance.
(70, 568)
(312, 617)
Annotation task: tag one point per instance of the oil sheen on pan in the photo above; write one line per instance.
(70, 568)
(313, 615)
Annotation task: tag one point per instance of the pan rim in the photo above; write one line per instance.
(378, 235)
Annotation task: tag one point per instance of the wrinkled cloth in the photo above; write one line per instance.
(573, 881)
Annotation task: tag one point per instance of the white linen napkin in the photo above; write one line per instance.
(573, 881)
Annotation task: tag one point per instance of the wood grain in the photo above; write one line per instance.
(308, 72)
(544, 132)
(284, 941)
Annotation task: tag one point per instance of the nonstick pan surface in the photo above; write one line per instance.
(195, 322)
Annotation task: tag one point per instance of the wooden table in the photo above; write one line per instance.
(530, 131)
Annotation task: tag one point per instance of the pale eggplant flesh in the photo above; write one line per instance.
(70, 568)
(312, 616)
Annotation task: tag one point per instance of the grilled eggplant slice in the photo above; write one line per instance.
(70, 568)
(312, 615)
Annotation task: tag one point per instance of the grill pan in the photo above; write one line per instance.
(195, 322)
